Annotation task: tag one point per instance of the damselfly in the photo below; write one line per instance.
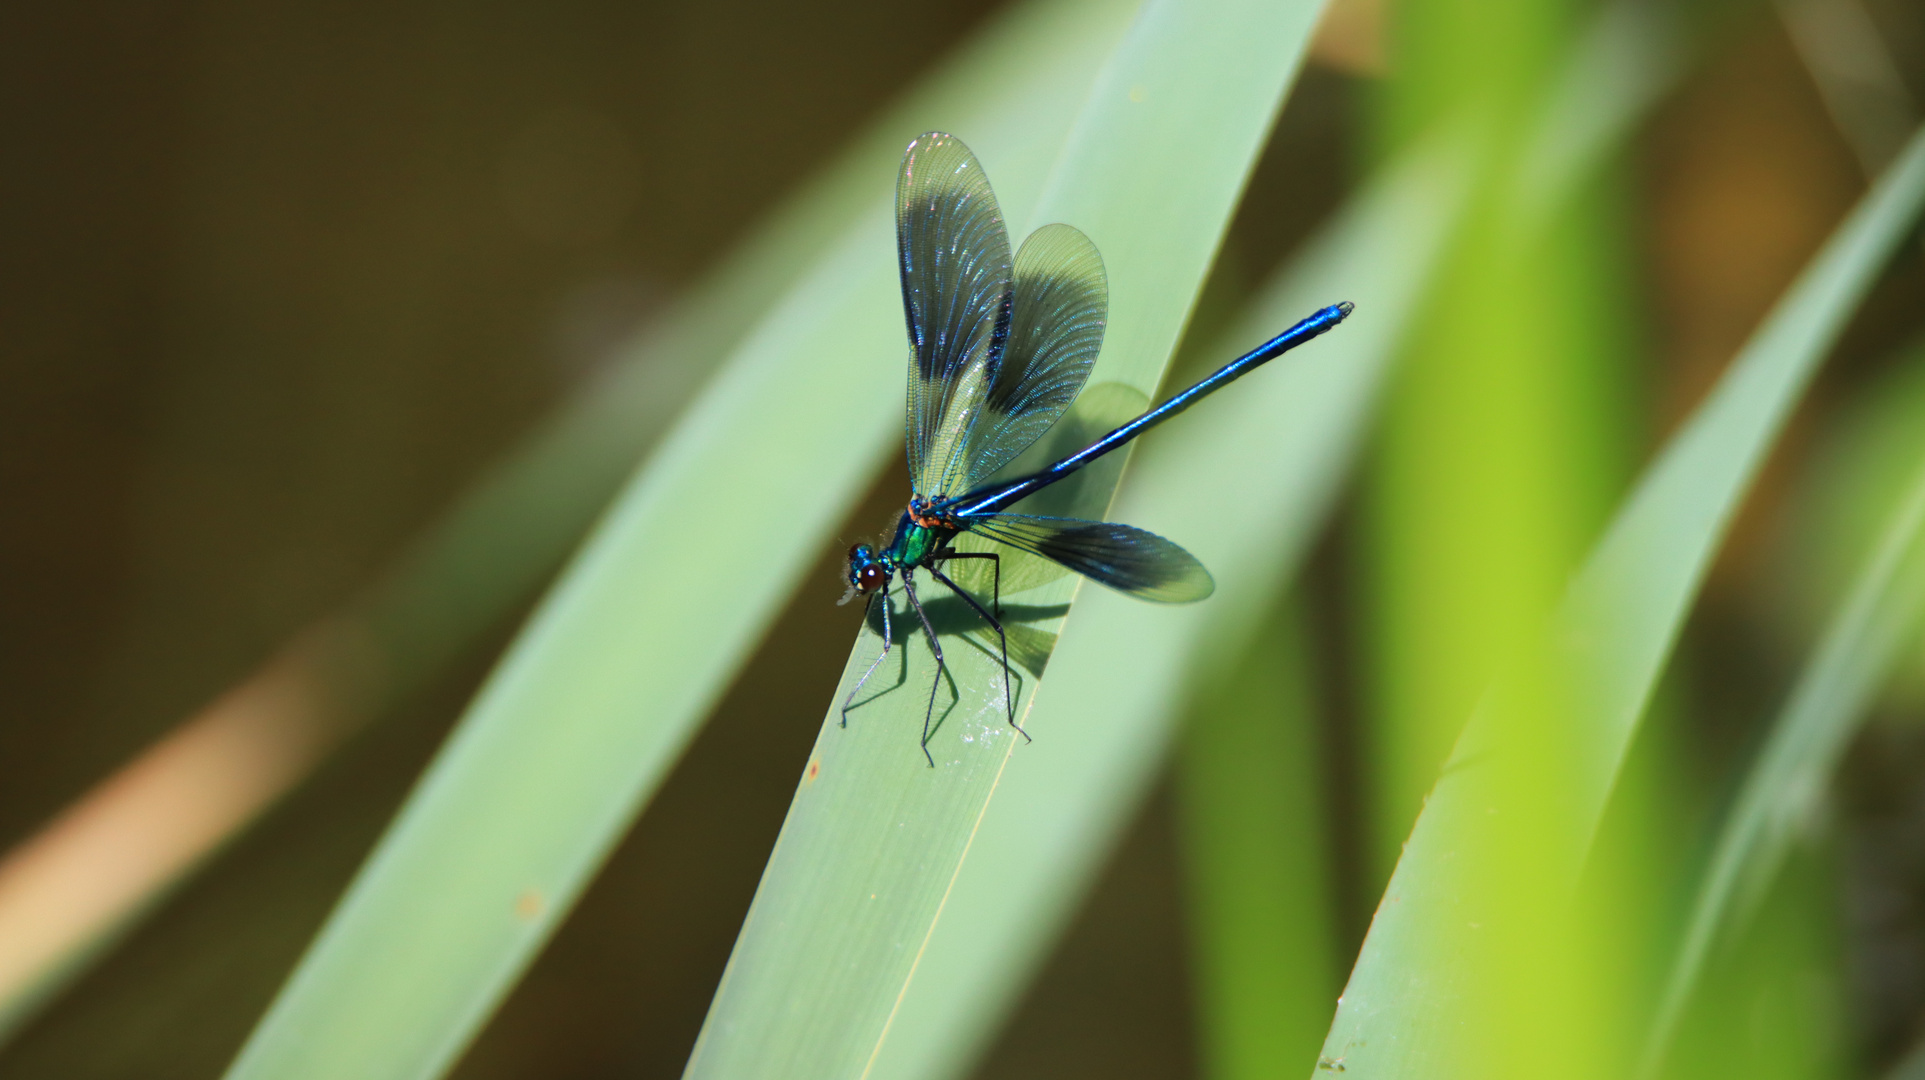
(998, 349)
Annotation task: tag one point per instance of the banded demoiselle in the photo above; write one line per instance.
(998, 349)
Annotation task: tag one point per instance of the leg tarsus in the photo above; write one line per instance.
(909, 586)
(873, 664)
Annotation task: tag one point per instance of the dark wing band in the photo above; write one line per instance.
(1125, 558)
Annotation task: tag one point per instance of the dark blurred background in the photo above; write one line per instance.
(277, 279)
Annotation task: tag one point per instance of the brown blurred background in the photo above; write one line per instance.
(276, 279)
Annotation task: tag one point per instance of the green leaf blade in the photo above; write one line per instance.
(1695, 487)
(1879, 616)
(590, 707)
(1260, 470)
(1407, 998)
(873, 841)
(1259, 869)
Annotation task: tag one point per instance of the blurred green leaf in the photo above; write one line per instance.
(1492, 467)
(1406, 999)
(1861, 463)
(506, 535)
(618, 666)
(509, 533)
(1772, 1001)
(1256, 838)
(1879, 617)
(873, 841)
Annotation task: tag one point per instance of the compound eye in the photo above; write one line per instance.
(870, 578)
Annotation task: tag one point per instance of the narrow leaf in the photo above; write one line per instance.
(1245, 487)
(485, 557)
(874, 839)
(1261, 473)
(1406, 996)
(1878, 618)
(605, 686)
(1252, 805)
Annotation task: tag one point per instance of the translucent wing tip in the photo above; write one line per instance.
(1199, 585)
(1183, 580)
(941, 145)
(1062, 251)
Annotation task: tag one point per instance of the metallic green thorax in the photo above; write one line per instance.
(915, 543)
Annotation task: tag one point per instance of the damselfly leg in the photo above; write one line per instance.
(909, 586)
(880, 657)
(996, 620)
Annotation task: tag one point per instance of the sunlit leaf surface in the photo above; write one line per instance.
(874, 840)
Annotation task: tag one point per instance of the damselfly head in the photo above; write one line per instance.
(867, 573)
